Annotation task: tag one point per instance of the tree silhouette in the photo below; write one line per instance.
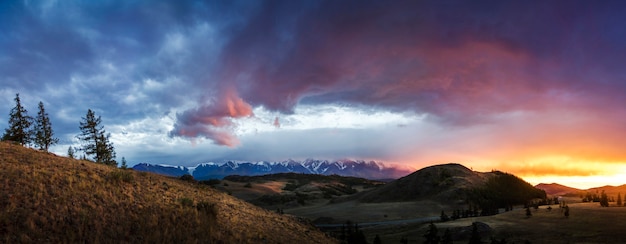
(70, 152)
(619, 199)
(96, 140)
(124, 165)
(44, 136)
(431, 236)
(604, 199)
(444, 217)
(19, 124)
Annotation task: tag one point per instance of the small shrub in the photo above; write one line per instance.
(290, 186)
(248, 185)
(211, 182)
(206, 207)
(188, 178)
(121, 175)
(186, 202)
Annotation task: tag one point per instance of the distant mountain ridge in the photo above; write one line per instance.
(354, 168)
(561, 190)
(557, 189)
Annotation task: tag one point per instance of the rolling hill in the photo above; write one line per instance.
(555, 189)
(455, 183)
(52, 199)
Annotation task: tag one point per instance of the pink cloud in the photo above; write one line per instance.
(215, 120)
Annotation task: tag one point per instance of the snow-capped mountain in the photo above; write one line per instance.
(363, 169)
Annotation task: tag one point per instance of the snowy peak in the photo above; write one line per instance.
(359, 168)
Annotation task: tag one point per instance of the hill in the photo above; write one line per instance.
(442, 182)
(561, 190)
(611, 190)
(455, 183)
(287, 190)
(358, 168)
(555, 189)
(47, 198)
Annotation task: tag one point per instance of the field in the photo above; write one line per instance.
(369, 212)
(587, 223)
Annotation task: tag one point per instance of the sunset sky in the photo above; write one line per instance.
(534, 88)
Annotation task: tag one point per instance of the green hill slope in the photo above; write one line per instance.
(47, 198)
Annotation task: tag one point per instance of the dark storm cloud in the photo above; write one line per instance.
(435, 56)
(123, 59)
(458, 60)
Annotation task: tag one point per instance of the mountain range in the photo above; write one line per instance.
(354, 168)
(561, 190)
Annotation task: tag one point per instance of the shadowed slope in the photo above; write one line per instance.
(48, 198)
(440, 182)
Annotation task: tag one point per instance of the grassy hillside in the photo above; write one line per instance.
(555, 189)
(48, 198)
(454, 183)
(446, 183)
(287, 190)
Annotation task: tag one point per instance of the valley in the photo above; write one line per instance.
(394, 221)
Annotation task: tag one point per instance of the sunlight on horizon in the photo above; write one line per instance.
(580, 182)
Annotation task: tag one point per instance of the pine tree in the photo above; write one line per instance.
(19, 124)
(604, 199)
(44, 136)
(96, 140)
(70, 152)
(124, 165)
(431, 235)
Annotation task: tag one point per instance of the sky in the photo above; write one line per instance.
(534, 88)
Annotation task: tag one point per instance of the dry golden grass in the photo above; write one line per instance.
(47, 198)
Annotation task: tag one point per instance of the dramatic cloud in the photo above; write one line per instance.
(213, 121)
(524, 86)
(461, 62)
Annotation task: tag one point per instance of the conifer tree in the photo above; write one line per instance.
(44, 136)
(96, 140)
(431, 235)
(70, 152)
(124, 165)
(19, 124)
(604, 199)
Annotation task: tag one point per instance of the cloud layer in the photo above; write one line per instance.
(507, 84)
